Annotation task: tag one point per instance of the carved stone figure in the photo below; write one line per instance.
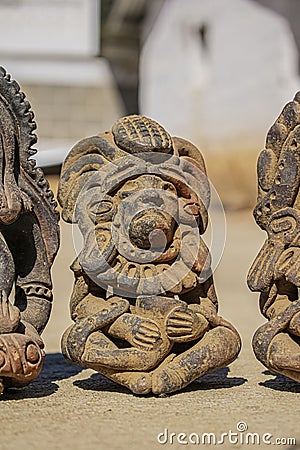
(144, 303)
(29, 240)
(275, 272)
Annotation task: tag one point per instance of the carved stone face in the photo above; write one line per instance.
(136, 221)
(134, 234)
(140, 199)
(149, 211)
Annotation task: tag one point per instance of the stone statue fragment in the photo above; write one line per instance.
(144, 304)
(29, 240)
(275, 272)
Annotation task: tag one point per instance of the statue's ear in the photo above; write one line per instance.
(184, 148)
(85, 159)
(193, 167)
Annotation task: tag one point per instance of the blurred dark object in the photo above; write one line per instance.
(125, 24)
(120, 44)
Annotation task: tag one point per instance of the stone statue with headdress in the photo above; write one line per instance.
(29, 240)
(144, 304)
(275, 272)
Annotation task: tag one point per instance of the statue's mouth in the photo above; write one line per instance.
(148, 279)
(171, 272)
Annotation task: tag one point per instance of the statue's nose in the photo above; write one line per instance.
(151, 230)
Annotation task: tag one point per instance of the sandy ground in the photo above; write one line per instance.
(67, 407)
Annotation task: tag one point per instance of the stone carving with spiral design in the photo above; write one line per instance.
(29, 239)
(144, 305)
(275, 272)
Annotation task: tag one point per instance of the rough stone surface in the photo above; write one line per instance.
(218, 72)
(144, 302)
(68, 406)
(275, 272)
(29, 240)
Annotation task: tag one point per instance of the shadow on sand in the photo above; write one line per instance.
(55, 368)
(280, 383)
(215, 380)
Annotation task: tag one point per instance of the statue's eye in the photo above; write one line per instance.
(169, 187)
(125, 194)
(101, 207)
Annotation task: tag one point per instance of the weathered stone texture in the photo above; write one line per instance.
(29, 239)
(144, 303)
(275, 271)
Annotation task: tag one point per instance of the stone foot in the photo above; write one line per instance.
(20, 360)
(218, 348)
(275, 347)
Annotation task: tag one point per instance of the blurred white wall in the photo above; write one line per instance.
(219, 73)
(49, 27)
